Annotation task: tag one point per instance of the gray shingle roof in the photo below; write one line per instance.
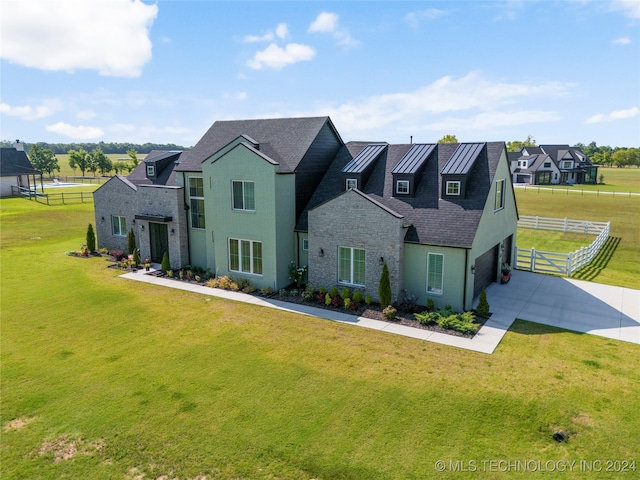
(414, 159)
(434, 220)
(15, 162)
(285, 140)
(166, 162)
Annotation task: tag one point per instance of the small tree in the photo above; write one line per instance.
(384, 288)
(131, 242)
(91, 239)
(136, 256)
(483, 305)
(165, 265)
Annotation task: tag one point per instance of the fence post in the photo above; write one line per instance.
(565, 225)
(533, 259)
(569, 264)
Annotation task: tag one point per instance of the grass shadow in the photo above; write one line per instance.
(527, 327)
(590, 272)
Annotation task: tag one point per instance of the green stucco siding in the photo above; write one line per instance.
(415, 274)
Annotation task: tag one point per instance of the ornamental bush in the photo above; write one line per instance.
(131, 242)
(357, 296)
(389, 312)
(165, 266)
(483, 305)
(384, 288)
(91, 239)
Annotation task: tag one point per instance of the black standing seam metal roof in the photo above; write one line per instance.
(365, 158)
(462, 159)
(414, 159)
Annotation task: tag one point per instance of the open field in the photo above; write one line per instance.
(552, 241)
(135, 381)
(66, 170)
(619, 180)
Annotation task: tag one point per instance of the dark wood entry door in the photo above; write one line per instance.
(159, 238)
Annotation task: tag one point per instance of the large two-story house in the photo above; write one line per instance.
(552, 165)
(257, 196)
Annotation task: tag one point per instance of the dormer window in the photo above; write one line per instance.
(151, 171)
(402, 187)
(352, 183)
(567, 164)
(547, 165)
(453, 188)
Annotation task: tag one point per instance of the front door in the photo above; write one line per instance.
(159, 238)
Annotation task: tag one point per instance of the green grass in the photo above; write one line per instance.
(66, 170)
(149, 381)
(619, 262)
(621, 180)
(552, 241)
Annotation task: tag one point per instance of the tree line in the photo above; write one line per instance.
(87, 161)
(106, 147)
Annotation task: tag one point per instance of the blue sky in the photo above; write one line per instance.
(163, 72)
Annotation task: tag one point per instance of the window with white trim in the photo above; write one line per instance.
(243, 195)
(305, 244)
(435, 273)
(352, 183)
(546, 164)
(453, 188)
(196, 202)
(351, 265)
(499, 194)
(402, 187)
(151, 171)
(119, 226)
(245, 256)
(566, 164)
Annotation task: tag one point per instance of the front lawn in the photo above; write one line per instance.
(103, 378)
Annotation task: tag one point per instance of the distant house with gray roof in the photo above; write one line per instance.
(254, 197)
(16, 170)
(552, 165)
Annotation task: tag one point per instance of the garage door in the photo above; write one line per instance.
(486, 270)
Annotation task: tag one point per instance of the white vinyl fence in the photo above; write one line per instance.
(562, 263)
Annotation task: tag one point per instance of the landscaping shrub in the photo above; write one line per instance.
(243, 283)
(384, 288)
(248, 289)
(91, 239)
(136, 257)
(347, 303)
(333, 292)
(225, 283)
(327, 299)
(131, 242)
(431, 306)
(165, 265)
(357, 296)
(446, 318)
(266, 291)
(322, 291)
(309, 293)
(483, 305)
(345, 293)
(336, 301)
(283, 293)
(368, 299)
(389, 312)
(212, 283)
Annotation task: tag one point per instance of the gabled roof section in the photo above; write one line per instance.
(284, 140)
(463, 159)
(165, 163)
(365, 158)
(15, 162)
(414, 159)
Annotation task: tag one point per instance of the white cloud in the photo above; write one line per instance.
(622, 41)
(327, 22)
(276, 57)
(27, 112)
(414, 19)
(613, 116)
(108, 36)
(85, 114)
(486, 103)
(630, 8)
(76, 132)
(282, 31)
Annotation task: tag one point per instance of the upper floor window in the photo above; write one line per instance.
(243, 196)
(453, 188)
(305, 244)
(151, 171)
(196, 202)
(567, 164)
(119, 226)
(499, 194)
(402, 186)
(352, 183)
(351, 265)
(547, 165)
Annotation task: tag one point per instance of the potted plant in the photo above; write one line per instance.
(506, 273)
(147, 264)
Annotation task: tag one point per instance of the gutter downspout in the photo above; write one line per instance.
(464, 287)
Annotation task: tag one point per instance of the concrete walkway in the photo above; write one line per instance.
(529, 296)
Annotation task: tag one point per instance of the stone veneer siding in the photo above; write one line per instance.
(351, 220)
(117, 198)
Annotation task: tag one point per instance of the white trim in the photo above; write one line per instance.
(433, 290)
(244, 197)
(197, 198)
(403, 182)
(351, 265)
(251, 256)
(121, 222)
(151, 171)
(305, 244)
(351, 180)
(502, 192)
(452, 183)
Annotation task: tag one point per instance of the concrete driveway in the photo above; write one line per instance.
(603, 310)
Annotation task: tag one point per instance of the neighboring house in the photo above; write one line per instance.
(442, 216)
(15, 168)
(150, 202)
(256, 196)
(552, 165)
